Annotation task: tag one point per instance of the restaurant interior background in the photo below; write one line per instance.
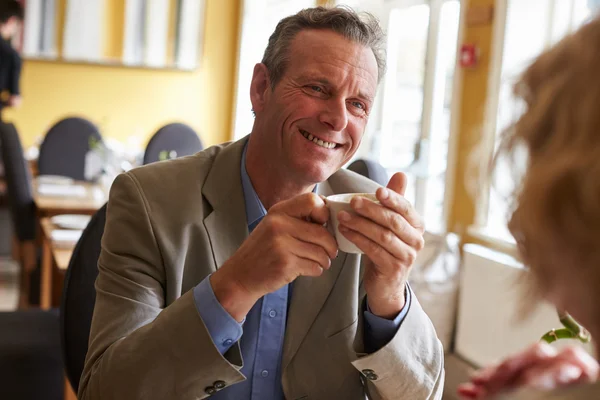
(132, 67)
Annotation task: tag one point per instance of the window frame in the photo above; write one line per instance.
(486, 148)
(431, 60)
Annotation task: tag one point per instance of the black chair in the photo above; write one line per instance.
(31, 366)
(21, 205)
(64, 148)
(79, 297)
(172, 141)
(370, 169)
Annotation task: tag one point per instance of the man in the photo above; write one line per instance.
(11, 14)
(217, 277)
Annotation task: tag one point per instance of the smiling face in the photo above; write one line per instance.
(313, 121)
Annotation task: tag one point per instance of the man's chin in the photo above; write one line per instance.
(318, 176)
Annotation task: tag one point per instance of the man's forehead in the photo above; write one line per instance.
(327, 49)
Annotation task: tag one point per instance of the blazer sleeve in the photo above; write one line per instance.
(410, 366)
(140, 348)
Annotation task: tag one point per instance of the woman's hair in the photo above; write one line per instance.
(556, 210)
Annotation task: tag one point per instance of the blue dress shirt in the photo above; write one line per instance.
(262, 332)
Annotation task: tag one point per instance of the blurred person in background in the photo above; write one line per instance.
(556, 218)
(11, 15)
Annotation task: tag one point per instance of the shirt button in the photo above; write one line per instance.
(210, 390)
(219, 385)
(264, 373)
(272, 313)
(228, 342)
(370, 374)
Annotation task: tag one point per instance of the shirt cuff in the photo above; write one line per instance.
(379, 331)
(222, 327)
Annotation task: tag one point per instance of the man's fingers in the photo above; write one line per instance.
(281, 224)
(398, 183)
(308, 267)
(380, 236)
(376, 253)
(312, 252)
(308, 206)
(397, 203)
(390, 220)
(316, 234)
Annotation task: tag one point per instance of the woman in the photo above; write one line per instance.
(556, 220)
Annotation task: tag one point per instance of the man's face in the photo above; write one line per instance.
(327, 93)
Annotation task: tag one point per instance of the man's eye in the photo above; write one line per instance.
(317, 89)
(358, 104)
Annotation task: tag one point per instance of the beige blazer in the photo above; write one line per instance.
(171, 224)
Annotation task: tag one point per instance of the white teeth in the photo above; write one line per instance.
(317, 141)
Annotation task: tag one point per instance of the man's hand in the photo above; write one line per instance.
(540, 367)
(290, 241)
(390, 235)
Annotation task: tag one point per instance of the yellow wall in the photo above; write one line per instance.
(128, 101)
(472, 110)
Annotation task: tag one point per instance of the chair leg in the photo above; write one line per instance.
(16, 249)
(28, 262)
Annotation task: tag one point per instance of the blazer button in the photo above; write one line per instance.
(210, 390)
(370, 374)
(219, 385)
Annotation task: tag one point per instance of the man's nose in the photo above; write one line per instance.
(335, 115)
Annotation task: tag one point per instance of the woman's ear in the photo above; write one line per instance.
(260, 87)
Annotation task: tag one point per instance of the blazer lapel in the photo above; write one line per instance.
(308, 297)
(226, 226)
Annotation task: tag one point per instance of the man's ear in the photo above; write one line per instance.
(260, 87)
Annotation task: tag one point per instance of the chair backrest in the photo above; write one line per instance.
(31, 365)
(370, 169)
(174, 140)
(18, 183)
(64, 148)
(79, 297)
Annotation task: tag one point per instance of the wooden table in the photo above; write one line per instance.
(95, 197)
(52, 254)
(58, 255)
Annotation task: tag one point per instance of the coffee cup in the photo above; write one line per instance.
(341, 202)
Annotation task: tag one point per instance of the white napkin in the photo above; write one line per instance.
(49, 189)
(67, 236)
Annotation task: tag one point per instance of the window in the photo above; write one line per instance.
(410, 131)
(39, 39)
(410, 125)
(260, 17)
(530, 27)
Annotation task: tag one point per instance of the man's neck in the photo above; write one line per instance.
(269, 181)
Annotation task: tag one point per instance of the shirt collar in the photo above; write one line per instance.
(254, 208)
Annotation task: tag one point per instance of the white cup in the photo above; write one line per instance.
(337, 203)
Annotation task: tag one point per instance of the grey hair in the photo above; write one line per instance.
(360, 28)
